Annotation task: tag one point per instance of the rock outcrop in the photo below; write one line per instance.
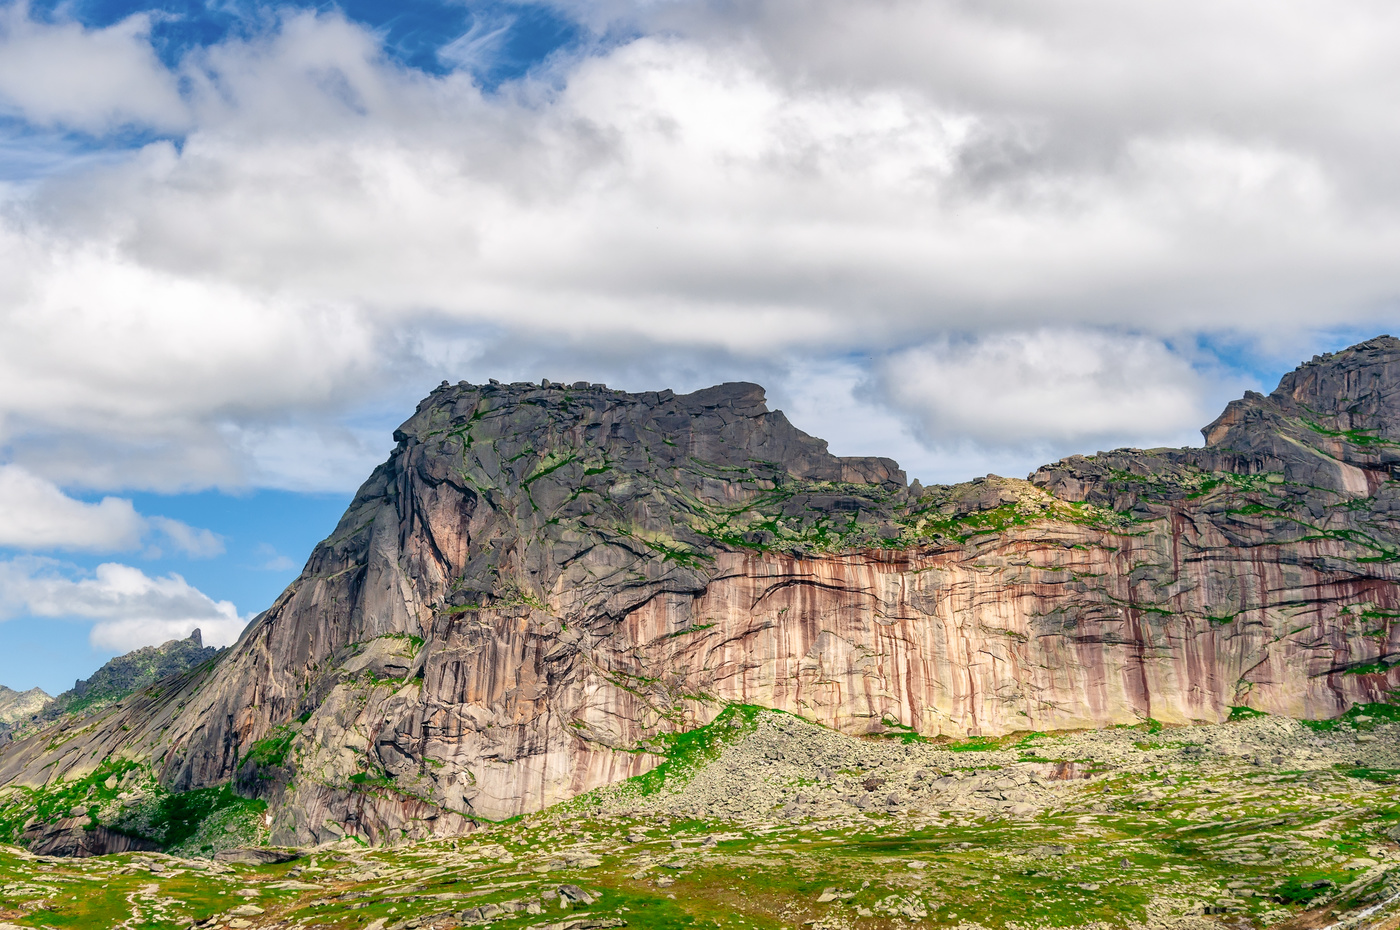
(130, 672)
(17, 706)
(24, 712)
(544, 581)
(75, 836)
(20, 705)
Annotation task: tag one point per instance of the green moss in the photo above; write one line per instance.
(55, 801)
(181, 814)
(1245, 713)
(1380, 776)
(1297, 890)
(548, 465)
(978, 744)
(902, 732)
(1370, 668)
(1374, 712)
(273, 748)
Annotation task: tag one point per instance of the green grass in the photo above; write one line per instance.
(690, 749)
(272, 749)
(1300, 890)
(1388, 713)
(181, 814)
(977, 744)
(56, 800)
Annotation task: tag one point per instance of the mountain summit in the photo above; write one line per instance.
(544, 582)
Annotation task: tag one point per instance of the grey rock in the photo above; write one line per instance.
(517, 601)
(258, 855)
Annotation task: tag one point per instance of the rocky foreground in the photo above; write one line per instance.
(765, 820)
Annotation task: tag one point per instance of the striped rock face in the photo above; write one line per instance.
(543, 582)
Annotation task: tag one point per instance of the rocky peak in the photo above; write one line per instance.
(21, 705)
(512, 492)
(544, 582)
(728, 425)
(130, 672)
(1333, 422)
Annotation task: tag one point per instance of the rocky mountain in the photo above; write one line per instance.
(130, 672)
(21, 712)
(545, 583)
(18, 705)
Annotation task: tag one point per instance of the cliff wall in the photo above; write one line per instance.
(544, 581)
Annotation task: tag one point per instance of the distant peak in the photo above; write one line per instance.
(1333, 421)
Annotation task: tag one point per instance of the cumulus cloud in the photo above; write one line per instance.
(61, 74)
(36, 514)
(1046, 389)
(778, 179)
(131, 609)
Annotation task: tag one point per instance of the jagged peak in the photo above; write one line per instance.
(1333, 422)
(1356, 390)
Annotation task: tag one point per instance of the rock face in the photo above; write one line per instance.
(75, 836)
(16, 706)
(20, 705)
(543, 581)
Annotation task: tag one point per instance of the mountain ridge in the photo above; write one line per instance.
(114, 680)
(544, 582)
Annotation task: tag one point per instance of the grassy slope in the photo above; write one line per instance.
(1113, 855)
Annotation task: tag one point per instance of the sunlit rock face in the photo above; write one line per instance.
(544, 579)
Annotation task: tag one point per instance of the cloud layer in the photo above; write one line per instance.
(130, 608)
(38, 515)
(950, 194)
(1060, 388)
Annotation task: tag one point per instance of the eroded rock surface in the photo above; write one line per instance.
(17, 705)
(543, 580)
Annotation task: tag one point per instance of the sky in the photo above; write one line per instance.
(239, 241)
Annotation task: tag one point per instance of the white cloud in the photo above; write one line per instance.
(131, 608)
(838, 401)
(273, 561)
(189, 540)
(1046, 388)
(60, 73)
(36, 514)
(782, 179)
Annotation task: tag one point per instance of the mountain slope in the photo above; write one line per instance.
(118, 677)
(543, 582)
(17, 705)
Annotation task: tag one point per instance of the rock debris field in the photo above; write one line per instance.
(765, 820)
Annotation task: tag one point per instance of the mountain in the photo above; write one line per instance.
(25, 711)
(127, 673)
(18, 705)
(544, 583)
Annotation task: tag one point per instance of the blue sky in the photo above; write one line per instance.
(239, 241)
(514, 37)
(266, 536)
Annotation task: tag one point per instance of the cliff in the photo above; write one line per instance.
(544, 581)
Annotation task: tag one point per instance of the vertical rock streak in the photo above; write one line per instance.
(544, 581)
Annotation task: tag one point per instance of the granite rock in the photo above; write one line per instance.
(542, 581)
